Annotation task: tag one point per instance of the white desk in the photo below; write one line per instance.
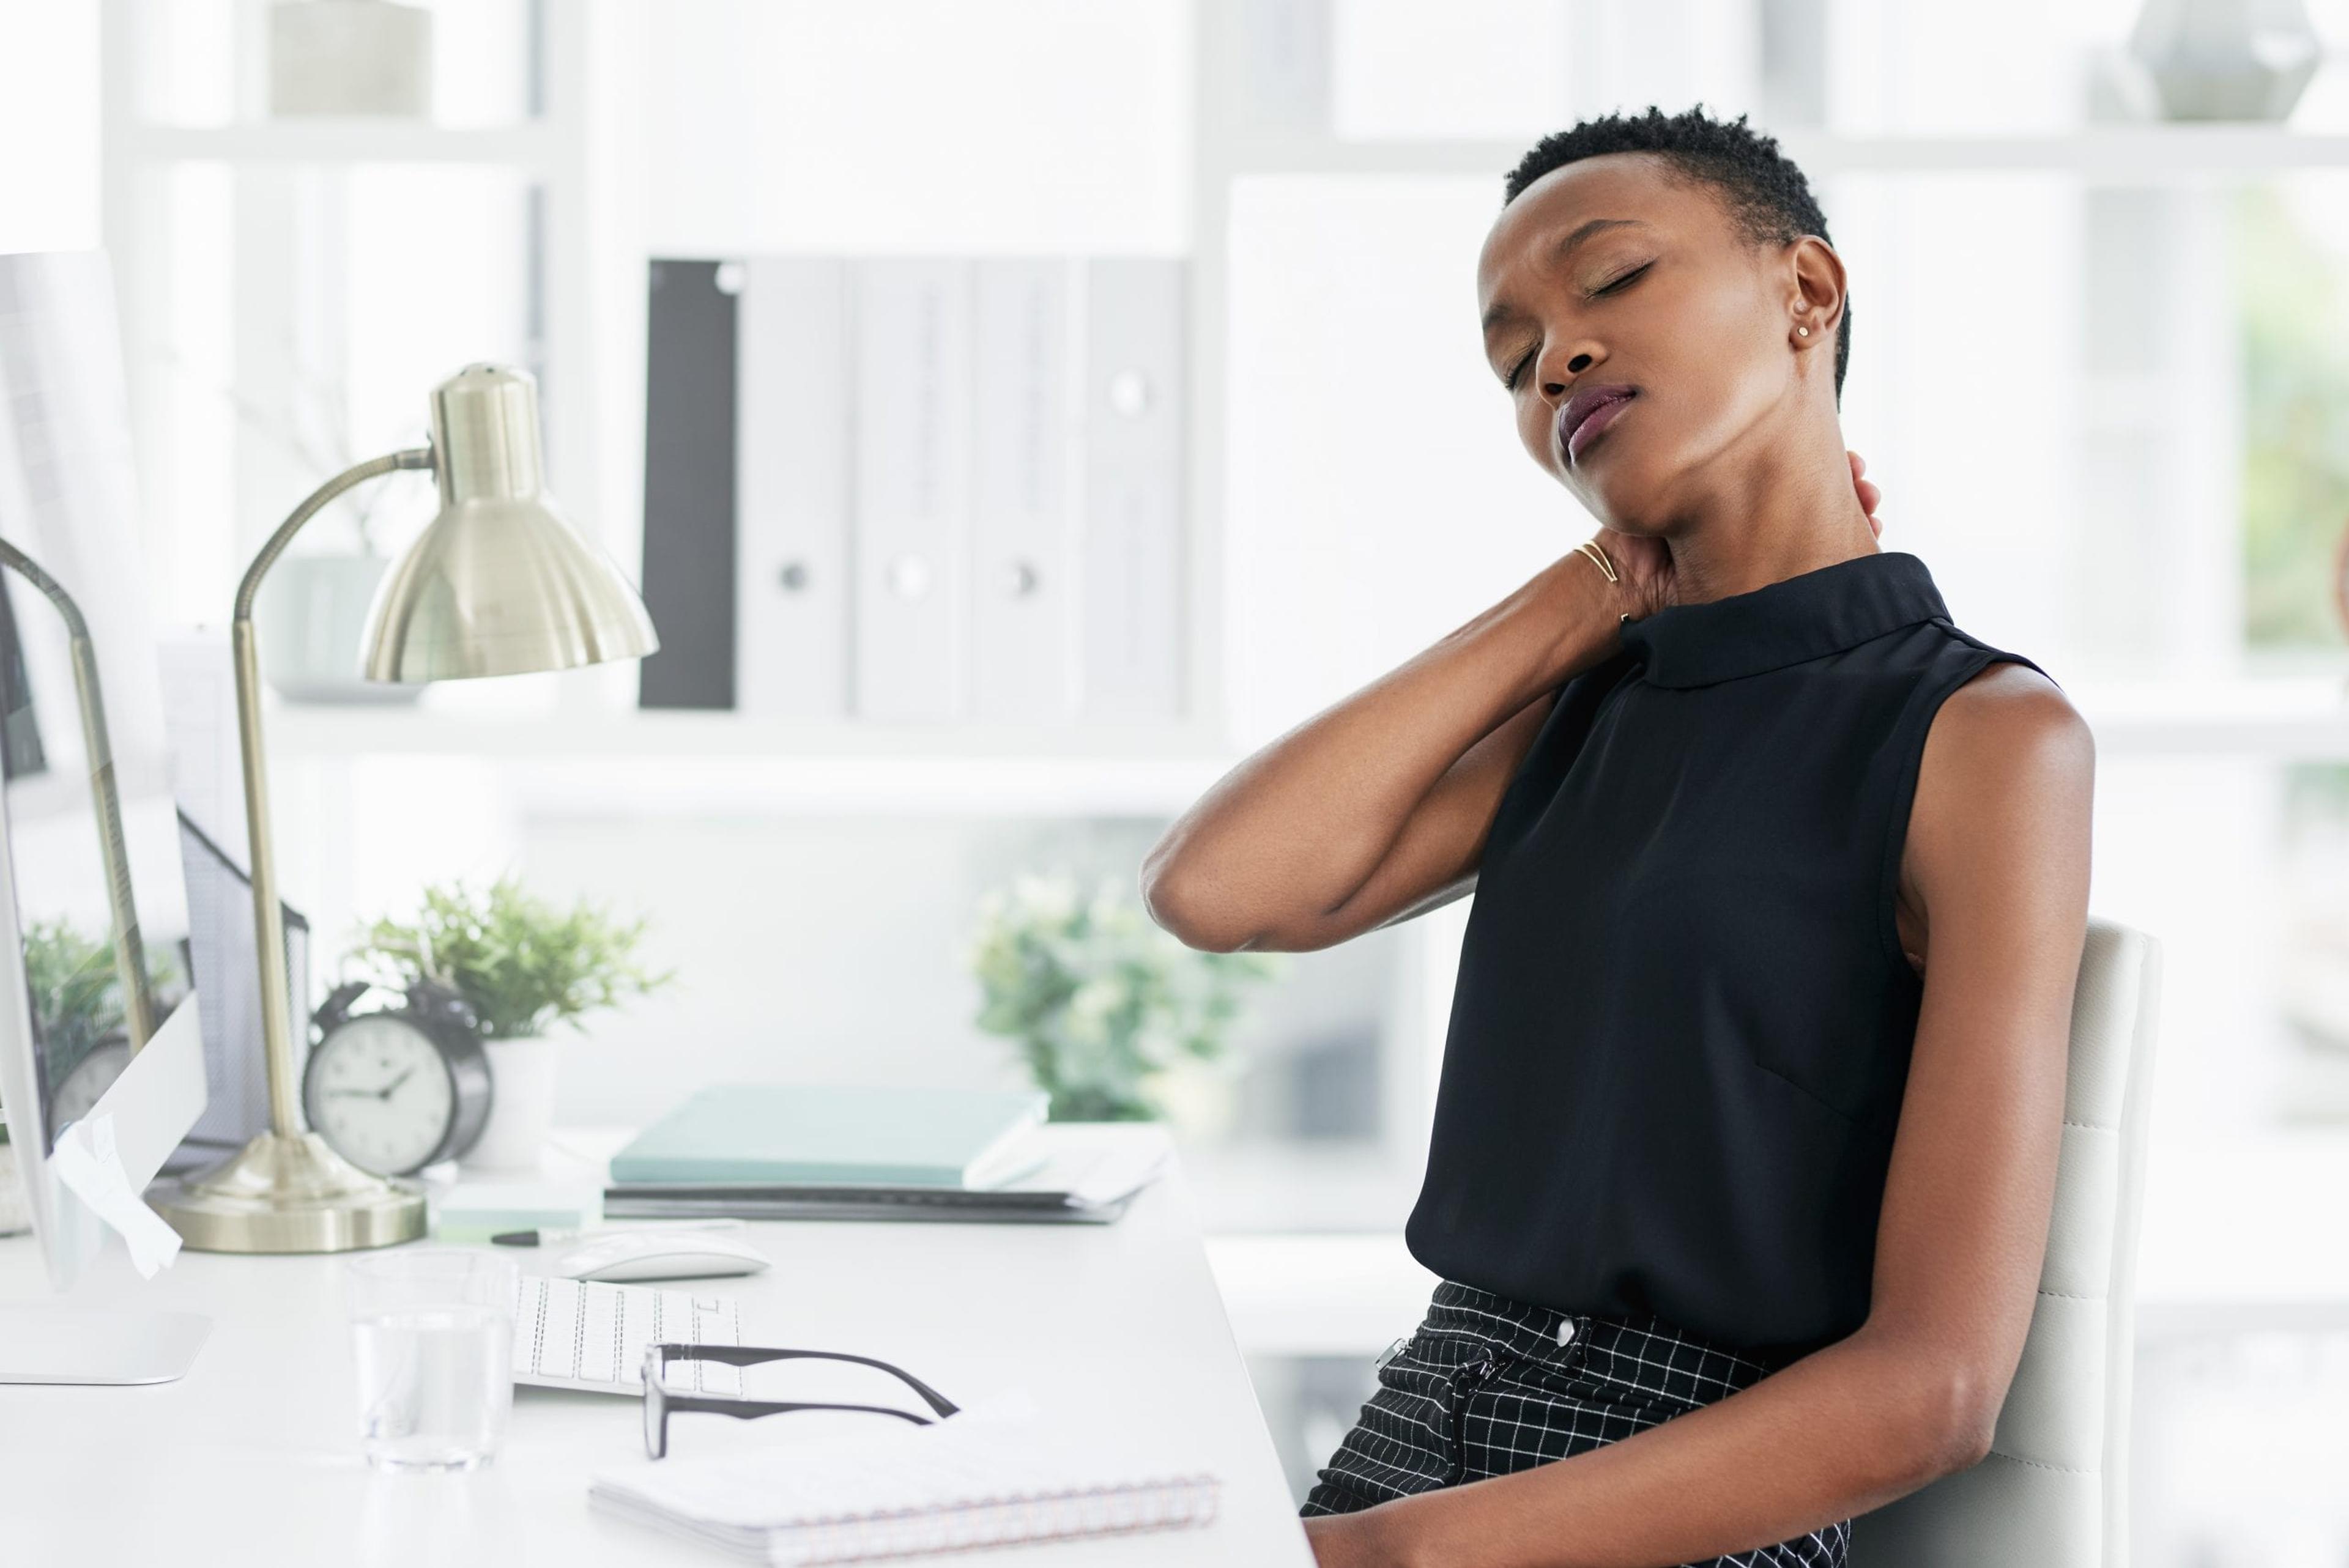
(253, 1458)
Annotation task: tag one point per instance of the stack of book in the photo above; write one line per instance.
(843, 1153)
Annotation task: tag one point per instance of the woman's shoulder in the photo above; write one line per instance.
(2000, 688)
(2007, 723)
(1975, 683)
(2004, 795)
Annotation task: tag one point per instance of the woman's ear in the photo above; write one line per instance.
(1815, 300)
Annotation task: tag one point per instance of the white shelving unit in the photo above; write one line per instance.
(549, 149)
(586, 353)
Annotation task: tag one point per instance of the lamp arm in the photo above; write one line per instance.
(130, 952)
(269, 924)
(374, 468)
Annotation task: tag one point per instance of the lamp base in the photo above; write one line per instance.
(289, 1194)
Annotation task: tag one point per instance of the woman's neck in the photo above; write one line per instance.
(1791, 510)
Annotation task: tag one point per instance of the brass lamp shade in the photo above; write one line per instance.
(499, 584)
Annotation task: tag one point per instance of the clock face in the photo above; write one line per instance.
(376, 1089)
(91, 1078)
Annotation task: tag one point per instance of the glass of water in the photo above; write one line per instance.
(433, 1329)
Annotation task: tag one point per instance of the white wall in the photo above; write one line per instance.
(48, 125)
(918, 125)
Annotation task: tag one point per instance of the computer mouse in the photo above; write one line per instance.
(658, 1254)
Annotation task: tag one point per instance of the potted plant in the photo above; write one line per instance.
(1115, 1018)
(15, 1215)
(75, 998)
(523, 966)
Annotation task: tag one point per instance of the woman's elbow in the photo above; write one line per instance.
(1201, 914)
(1173, 898)
(1956, 1422)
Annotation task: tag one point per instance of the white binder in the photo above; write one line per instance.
(1130, 555)
(913, 444)
(1023, 579)
(792, 494)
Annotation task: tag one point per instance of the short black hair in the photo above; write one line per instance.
(1766, 195)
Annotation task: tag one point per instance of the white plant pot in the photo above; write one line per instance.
(1201, 1097)
(522, 1104)
(313, 616)
(15, 1214)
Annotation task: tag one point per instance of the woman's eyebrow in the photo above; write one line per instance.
(1502, 310)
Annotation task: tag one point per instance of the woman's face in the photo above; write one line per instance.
(1609, 276)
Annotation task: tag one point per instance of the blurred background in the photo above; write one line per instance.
(2099, 364)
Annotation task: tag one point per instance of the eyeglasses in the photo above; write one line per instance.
(660, 1400)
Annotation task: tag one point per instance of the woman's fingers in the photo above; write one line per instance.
(1868, 491)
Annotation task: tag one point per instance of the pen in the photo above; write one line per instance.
(572, 1233)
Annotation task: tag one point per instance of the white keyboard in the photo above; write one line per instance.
(578, 1334)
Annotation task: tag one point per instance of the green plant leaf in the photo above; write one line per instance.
(522, 964)
(1101, 1001)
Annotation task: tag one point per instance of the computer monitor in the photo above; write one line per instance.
(97, 1014)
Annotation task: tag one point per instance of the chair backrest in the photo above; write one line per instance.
(2053, 1491)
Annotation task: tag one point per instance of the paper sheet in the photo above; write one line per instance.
(87, 1161)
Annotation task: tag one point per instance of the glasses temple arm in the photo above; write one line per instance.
(749, 1410)
(755, 1355)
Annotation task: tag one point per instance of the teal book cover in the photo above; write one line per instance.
(800, 1133)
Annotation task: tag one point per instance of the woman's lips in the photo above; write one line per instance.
(1601, 415)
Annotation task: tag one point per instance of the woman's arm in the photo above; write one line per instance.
(1375, 810)
(1377, 807)
(1997, 855)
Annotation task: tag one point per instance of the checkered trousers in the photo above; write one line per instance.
(1488, 1386)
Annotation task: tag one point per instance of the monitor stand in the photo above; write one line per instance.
(74, 1344)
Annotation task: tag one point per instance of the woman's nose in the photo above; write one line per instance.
(1575, 363)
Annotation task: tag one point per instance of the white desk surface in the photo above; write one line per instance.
(253, 1458)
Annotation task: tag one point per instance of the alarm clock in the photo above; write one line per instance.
(77, 1095)
(394, 1089)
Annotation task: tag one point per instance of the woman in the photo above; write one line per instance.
(1745, 1142)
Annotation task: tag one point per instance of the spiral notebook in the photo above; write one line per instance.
(996, 1475)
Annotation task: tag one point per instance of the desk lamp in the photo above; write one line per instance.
(498, 585)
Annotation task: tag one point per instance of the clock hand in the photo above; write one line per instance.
(352, 1094)
(386, 1092)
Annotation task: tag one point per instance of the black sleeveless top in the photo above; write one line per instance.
(1682, 1020)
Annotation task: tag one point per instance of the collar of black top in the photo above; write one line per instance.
(1788, 622)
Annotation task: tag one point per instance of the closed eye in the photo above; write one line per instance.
(1520, 367)
(1619, 283)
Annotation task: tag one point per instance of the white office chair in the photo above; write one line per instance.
(2054, 1492)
